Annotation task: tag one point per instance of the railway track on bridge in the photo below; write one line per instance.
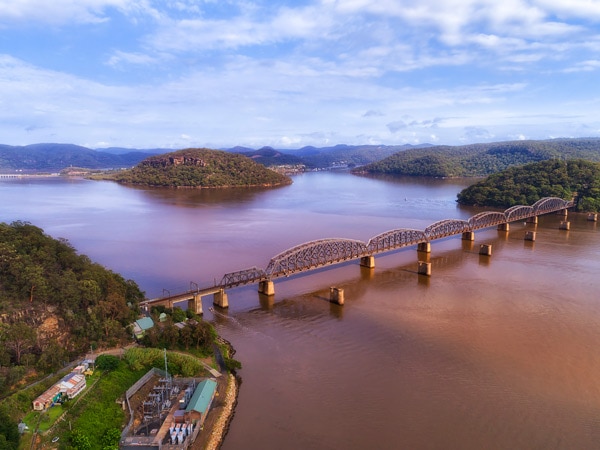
(326, 252)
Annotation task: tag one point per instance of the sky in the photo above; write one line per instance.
(288, 74)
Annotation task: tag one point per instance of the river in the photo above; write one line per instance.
(497, 352)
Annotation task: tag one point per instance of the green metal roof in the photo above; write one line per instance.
(202, 396)
(145, 323)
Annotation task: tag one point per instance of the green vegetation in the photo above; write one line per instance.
(9, 434)
(482, 159)
(525, 185)
(55, 304)
(95, 418)
(200, 168)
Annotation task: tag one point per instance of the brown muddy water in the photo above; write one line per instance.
(487, 353)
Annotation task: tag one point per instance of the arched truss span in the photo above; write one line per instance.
(394, 239)
(519, 212)
(315, 254)
(486, 219)
(242, 277)
(448, 227)
(550, 204)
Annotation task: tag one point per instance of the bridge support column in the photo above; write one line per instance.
(195, 304)
(564, 225)
(530, 236)
(424, 247)
(504, 227)
(367, 261)
(533, 220)
(266, 287)
(592, 217)
(336, 295)
(468, 236)
(485, 249)
(563, 212)
(424, 268)
(220, 299)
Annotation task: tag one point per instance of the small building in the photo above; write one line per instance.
(72, 384)
(201, 400)
(47, 399)
(140, 326)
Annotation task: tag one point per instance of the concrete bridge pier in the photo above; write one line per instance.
(266, 287)
(220, 299)
(563, 212)
(468, 236)
(424, 247)
(530, 236)
(195, 304)
(533, 220)
(564, 225)
(336, 295)
(504, 227)
(367, 261)
(485, 249)
(424, 268)
(592, 217)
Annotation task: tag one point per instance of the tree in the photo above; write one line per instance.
(80, 441)
(107, 362)
(19, 338)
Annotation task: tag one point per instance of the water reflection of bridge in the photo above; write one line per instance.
(325, 252)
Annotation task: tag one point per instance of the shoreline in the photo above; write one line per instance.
(223, 420)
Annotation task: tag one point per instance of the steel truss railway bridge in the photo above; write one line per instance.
(326, 252)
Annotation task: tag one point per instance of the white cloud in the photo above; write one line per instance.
(60, 12)
(261, 73)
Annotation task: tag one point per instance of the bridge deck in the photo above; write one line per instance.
(324, 252)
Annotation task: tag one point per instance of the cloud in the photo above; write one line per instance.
(476, 134)
(60, 12)
(295, 73)
(120, 58)
(396, 126)
(373, 113)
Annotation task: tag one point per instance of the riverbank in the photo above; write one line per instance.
(220, 415)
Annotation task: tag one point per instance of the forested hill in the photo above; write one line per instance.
(200, 168)
(527, 184)
(55, 303)
(482, 159)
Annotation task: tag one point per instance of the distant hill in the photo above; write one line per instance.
(54, 157)
(200, 168)
(268, 156)
(124, 151)
(526, 184)
(348, 155)
(482, 159)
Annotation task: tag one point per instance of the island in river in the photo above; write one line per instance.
(199, 168)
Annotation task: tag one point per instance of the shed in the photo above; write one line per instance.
(140, 326)
(47, 399)
(72, 384)
(201, 400)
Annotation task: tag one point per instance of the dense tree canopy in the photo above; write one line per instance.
(200, 168)
(55, 303)
(525, 185)
(482, 159)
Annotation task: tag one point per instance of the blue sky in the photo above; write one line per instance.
(220, 73)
